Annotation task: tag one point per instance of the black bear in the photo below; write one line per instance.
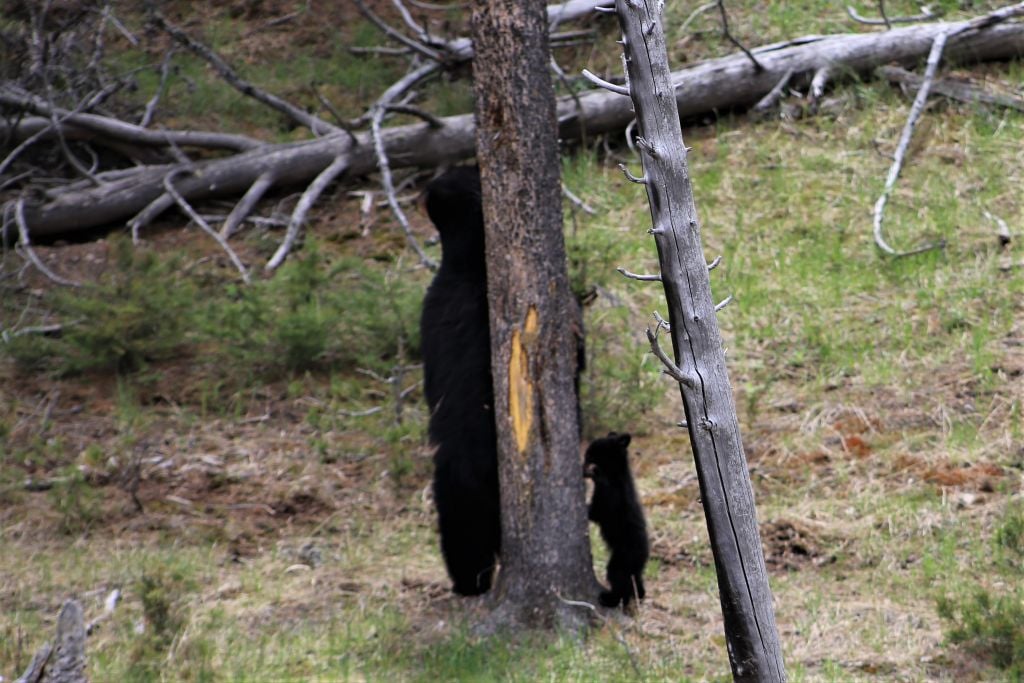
(615, 508)
(456, 348)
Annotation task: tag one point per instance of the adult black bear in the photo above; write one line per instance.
(456, 347)
(615, 507)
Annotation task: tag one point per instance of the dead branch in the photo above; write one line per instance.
(732, 39)
(109, 605)
(1002, 229)
(314, 123)
(577, 201)
(105, 126)
(248, 202)
(718, 84)
(198, 220)
(389, 189)
(770, 100)
(963, 92)
(25, 245)
(934, 56)
(151, 105)
(695, 13)
(926, 15)
(306, 201)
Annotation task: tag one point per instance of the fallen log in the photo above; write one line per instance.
(963, 92)
(715, 85)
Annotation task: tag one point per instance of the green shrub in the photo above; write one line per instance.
(990, 627)
(136, 313)
(314, 316)
(1010, 535)
(75, 500)
(164, 591)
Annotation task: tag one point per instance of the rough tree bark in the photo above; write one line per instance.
(699, 367)
(545, 549)
(62, 661)
(715, 85)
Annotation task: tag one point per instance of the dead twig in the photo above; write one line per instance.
(770, 100)
(926, 15)
(963, 92)
(109, 605)
(669, 366)
(248, 201)
(577, 201)
(306, 201)
(397, 35)
(934, 56)
(615, 632)
(314, 123)
(389, 188)
(198, 220)
(154, 101)
(1002, 229)
(695, 13)
(26, 246)
(728, 35)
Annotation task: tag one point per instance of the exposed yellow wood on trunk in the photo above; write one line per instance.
(520, 388)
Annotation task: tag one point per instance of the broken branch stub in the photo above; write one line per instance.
(699, 367)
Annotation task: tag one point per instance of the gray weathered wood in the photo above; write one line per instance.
(726, 492)
(64, 660)
(715, 85)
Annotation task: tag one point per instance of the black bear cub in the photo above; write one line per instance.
(456, 348)
(615, 508)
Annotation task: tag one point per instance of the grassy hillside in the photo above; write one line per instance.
(235, 460)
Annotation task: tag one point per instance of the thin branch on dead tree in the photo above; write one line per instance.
(309, 197)
(248, 202)
(926, 15)
(25, 245)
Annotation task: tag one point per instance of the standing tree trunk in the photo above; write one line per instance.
(755, 653)
(545, 549)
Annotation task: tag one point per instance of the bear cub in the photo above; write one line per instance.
(456, 348)
(615, 508)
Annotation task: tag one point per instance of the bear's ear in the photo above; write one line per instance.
(623, 439)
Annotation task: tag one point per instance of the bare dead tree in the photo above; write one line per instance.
(698, 365)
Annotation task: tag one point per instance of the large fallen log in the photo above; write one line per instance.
(716, 85)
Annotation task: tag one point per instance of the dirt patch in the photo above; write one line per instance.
(792, 545)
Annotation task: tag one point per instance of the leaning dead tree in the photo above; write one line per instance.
(698, 366)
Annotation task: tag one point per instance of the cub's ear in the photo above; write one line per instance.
(623, 439)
